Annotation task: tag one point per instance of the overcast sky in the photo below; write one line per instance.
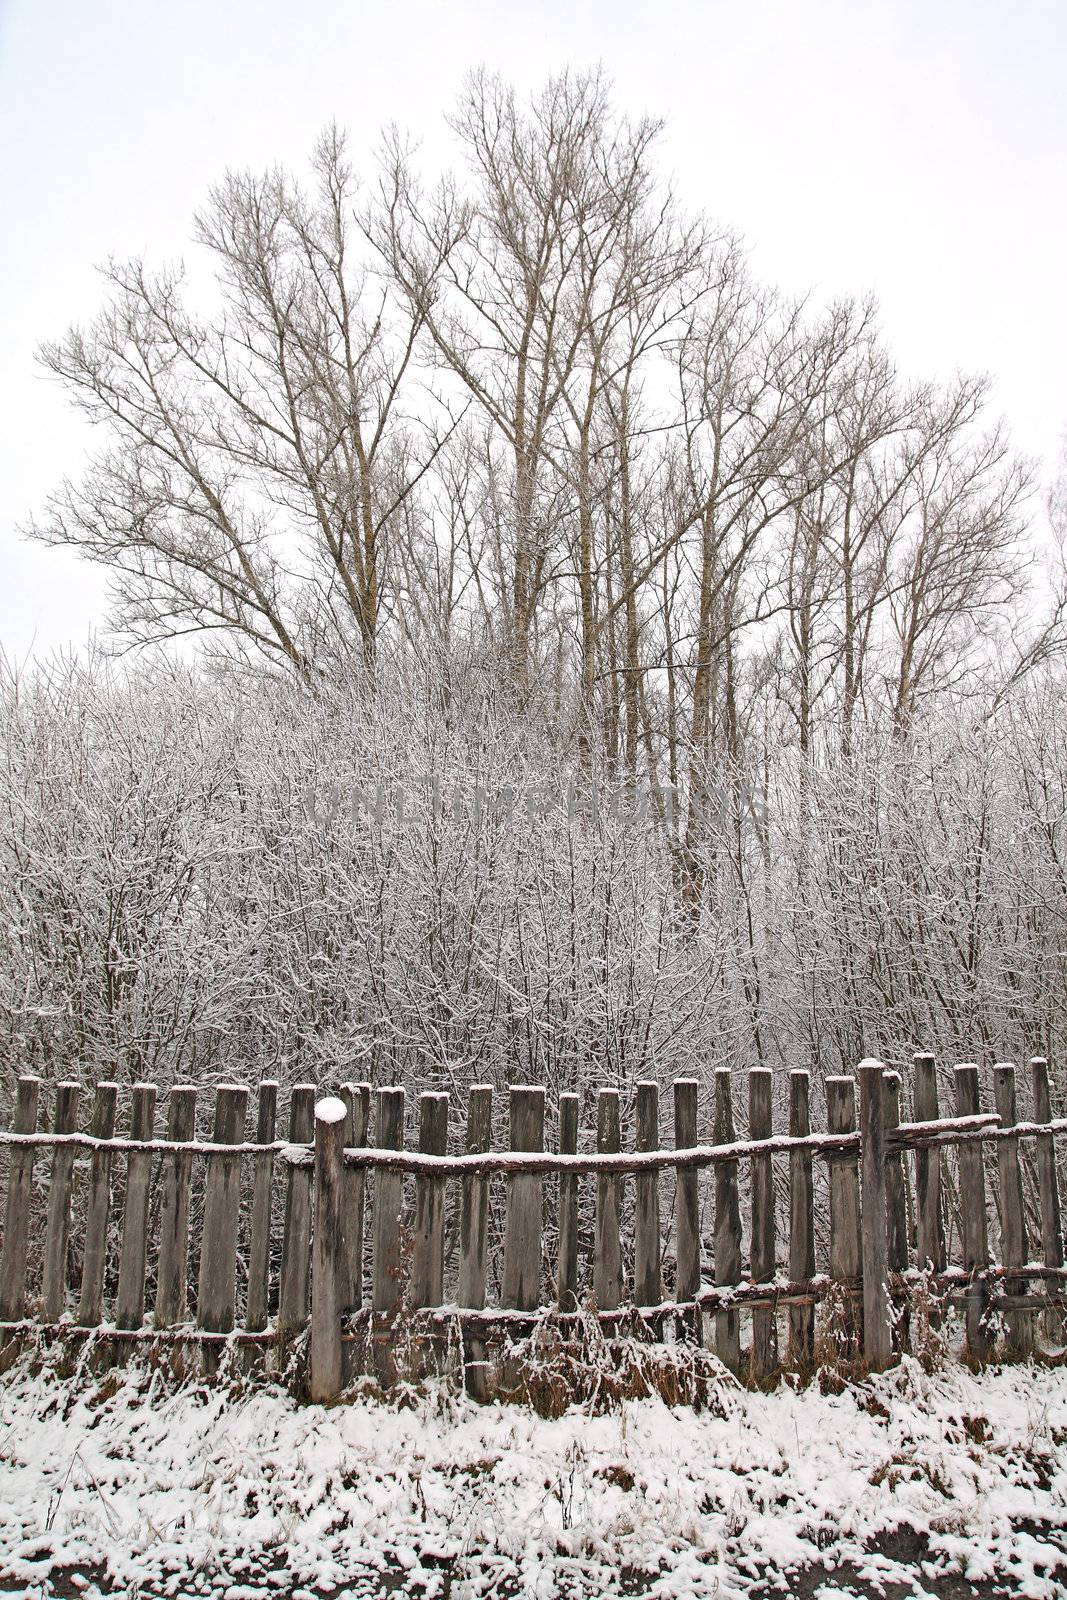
(916, 148)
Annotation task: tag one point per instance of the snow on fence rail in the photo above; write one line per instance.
(288, 1232)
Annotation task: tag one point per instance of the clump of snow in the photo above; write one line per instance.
(139, 1483)
(330, 1109)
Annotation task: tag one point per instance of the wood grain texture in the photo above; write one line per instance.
(17, 1205)
(728, 1240)
(521, 1287)
(60, 1193)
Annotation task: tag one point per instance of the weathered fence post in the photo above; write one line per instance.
(176, 1172)
(846, 1253)
(388, 1205)
(877, 1317)
(762, 1265)
(217, 1288)
(356, 1097)
(296, 1234)
(567, 1275)
(428, 1260)
(1048, 1195)
(473, 1236)
(686, 1211)
(521, 1286)
(929, 1221)
(727, 1224)
(648, 1277)
(133, 1252)
(258, 1297)
(607, 1249)
(1013, 1241)
(57, 1226)
(17, 1209)
(328, 1254)
(973, 1224)
(801, 1222)
(896, 1200)
(98, 1205)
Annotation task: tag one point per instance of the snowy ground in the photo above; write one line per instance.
(144, 1491)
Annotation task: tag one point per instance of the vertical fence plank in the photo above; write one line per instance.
(801, 1221)
(845, 1250)
(474, 1203)
(388, 1203)
(258, 1299)
(356, 1097)
(567, 1268)
(175, 1174)
(648, 1277)
(133, 1253)
(428, 1260)
(607, 1252)
(329, 1277)
(686, 1211)
(57, 1225)
(896, 1200)
(895, 1194)
(929, 1218)
(521, 1287)
(760, 1126)
(1013, 1241)
(97, 1208)
(1048, 1195)
(877, 1315)
(473, 1236)
(727, 1224)
(296, 1233)
(217, 1291)
(973, 1225)
(17, 1208)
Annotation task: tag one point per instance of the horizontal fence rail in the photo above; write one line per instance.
(330, 1225)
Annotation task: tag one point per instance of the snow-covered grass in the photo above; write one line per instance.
(139, 1483)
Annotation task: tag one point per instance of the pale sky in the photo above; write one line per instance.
(916, 148)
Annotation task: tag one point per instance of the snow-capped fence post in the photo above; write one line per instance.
(428, 1258)
(473, 1236)
(101, 1126)
(1048, 1194)
(877, 1319)
(607, 1256)
(521, 1287)
(973, 1225)
(133, 1252)
(648, 1279)
(217, 1287)
(388, 1203)
(929, 1219)
(567, 1266)
(727, 1224)
(686, 1210)
(328, 1272)
(801, 1221)
(57, 1226)
(172, 1273)
(17, 1208)
(762, 1244)
(356, 1097)
(296, 1233)
(1013, 1242)
(262, 1193)
(846, 1252)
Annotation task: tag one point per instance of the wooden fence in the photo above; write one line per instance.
(291, 1231)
